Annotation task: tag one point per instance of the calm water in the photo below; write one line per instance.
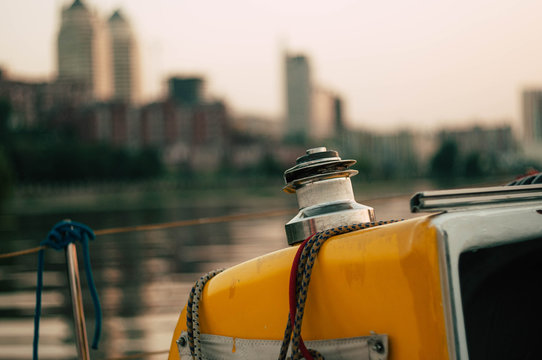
(143, 278)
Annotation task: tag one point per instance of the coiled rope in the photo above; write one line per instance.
(62, 234)
(192, 314)
(300, 276)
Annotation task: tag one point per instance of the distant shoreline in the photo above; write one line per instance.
(127, 195)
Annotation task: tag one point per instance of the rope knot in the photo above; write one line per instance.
(61, 235)
(66, 232)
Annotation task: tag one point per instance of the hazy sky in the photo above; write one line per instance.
(395, 62)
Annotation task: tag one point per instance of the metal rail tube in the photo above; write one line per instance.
(77, 302)
(440, 200)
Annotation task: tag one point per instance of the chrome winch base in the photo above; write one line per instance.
(321, 181)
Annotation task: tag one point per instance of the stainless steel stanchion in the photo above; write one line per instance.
(77, 302)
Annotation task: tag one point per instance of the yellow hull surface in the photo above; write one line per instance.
(384, 280)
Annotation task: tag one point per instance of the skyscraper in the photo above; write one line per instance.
(325, 114)
(298, 97)
(82, 50)
(124, 59)
(532, 123)
(532, 115)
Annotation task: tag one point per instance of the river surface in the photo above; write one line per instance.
(143, 278)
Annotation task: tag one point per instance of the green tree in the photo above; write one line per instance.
(5, 112)
(6, 177)
(445, 161)
(473, 165)
(147, 164)
(270, 167)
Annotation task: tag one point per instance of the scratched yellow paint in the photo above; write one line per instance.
(383, 279)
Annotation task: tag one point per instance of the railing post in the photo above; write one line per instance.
(77, 302)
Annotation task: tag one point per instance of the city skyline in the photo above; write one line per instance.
(393, 64)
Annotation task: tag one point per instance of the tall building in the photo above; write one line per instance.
(323, 122)
(532, 115)
(532, 123)
(82, 50)
(298, 97)
(124, 59)
(338, 115)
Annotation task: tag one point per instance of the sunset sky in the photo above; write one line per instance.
(396, 63)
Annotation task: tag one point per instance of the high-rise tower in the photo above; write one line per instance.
(82, 55)
(532, 115)
(298, 97)
(532, 123)
(124, 59)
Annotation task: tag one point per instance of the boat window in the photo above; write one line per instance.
(501, 290)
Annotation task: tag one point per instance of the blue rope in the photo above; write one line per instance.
(37, 313)
(62, 234)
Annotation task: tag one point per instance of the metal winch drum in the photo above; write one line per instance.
(321, 181)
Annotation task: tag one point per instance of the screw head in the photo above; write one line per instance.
(378, 347)
(182, 341)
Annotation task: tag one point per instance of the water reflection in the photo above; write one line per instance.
(143, 279)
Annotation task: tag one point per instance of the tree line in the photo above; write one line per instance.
(45, 156)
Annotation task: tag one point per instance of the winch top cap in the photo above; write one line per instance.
(318, 153)
(316, 162)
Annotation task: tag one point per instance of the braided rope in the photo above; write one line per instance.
(295, 278)
(192, 314)
(307, 253)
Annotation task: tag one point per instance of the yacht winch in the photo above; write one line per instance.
(321, 181)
